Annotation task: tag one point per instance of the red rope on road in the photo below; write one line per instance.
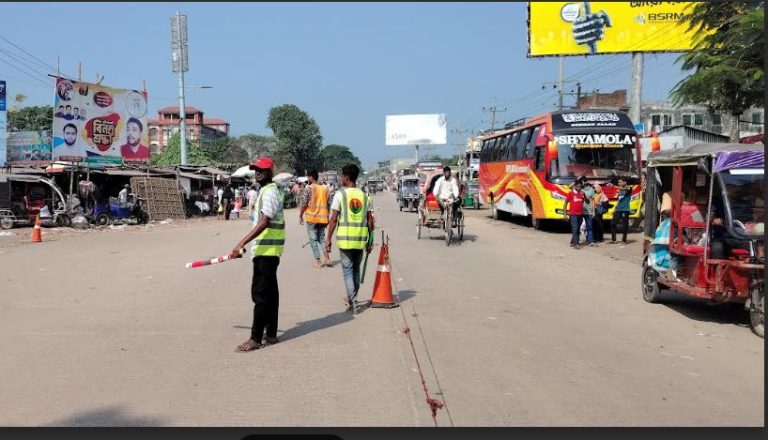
(433, 403)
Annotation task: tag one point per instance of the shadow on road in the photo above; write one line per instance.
(116, 416)
(703, 311)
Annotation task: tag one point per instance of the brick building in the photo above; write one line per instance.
(198, 127)
(615, 100)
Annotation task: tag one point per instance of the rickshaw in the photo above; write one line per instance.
(704, 226)
(21, 203)
(408, 193)
(471, 196)
(430, 216)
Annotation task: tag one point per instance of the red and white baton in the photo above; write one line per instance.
(216, 260)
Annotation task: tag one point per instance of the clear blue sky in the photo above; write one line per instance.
(346, 64)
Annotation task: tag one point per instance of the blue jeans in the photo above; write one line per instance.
(316, 233)
(575, 226)
(588, 219)
(350, 267)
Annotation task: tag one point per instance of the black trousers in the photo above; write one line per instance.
(227, 208)
(265, 296)
(597, 228)
(623, 217)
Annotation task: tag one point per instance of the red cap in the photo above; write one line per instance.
(263, 163)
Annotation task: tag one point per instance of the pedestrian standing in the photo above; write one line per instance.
(313, 205)
(351, 211)
(574, 206)
(268, 235)
(251, 195)
(219, 206)
(589, 212)
(621, 214)
(599, 201)
(227, 200)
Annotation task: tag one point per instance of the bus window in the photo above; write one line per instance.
(484, 152)
(539, 164)
(500, 148)
(522, 142)
(504, 146)
(532, 143)
(492, 150)
(510, 155)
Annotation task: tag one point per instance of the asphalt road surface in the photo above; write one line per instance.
(510, 327)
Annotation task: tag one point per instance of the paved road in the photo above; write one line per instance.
(511, 328)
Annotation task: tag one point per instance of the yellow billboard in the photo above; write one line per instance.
(593, 28)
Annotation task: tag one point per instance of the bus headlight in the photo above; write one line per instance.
(557, 196)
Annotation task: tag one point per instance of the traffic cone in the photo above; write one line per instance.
(382, 288)
(37, 233)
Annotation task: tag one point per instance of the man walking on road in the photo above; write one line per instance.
(314, 210)
(574, 206)
(269, 235)
(621, 214)
(351, 210)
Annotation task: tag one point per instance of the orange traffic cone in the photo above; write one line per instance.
(382, 288)
(37, 233)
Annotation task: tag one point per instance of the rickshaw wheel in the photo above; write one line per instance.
(6, 223)
(651, 289)
(102, 220)
(757, 310)
(461, 226)
(418, 229)
(447, 225)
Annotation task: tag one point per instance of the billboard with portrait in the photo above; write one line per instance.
(29, 147)
(415, 129)
(99, 125)
(593, 28)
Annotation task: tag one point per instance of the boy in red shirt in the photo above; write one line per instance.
(574, 206)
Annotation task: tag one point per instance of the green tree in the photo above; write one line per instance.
(224, 153)
(171, 154)
(727, 59)
(37, 118)
(257, 145)
(334, 157)
(298, 138)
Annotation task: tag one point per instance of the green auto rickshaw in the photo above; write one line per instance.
(471, 196)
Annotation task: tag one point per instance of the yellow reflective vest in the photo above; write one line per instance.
(352, 231)
(271, 241)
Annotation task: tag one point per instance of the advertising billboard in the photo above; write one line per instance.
(593, 28)
(99, 125)
(29, 147)
(416, 130)
(3, 124)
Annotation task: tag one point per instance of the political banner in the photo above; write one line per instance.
(29, 147)
(3, 124)
(594, 28)
(99, 125)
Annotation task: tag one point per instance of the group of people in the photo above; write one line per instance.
(587, 203)
(349, 213)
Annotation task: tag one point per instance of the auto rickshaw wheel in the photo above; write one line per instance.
(102, 220)
(418, 228)
(401, 207)
(757, 309)
(477, 204)
(6, 222)
(651, 289)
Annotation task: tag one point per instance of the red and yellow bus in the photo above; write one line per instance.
(526, 168)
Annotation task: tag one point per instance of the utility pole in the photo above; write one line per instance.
(637, 87)
(180, 62)
(458, 144)
(493, 110)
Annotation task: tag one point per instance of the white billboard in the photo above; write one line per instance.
(416, 130)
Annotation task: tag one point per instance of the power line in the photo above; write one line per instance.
(43, 63)
(24, 72)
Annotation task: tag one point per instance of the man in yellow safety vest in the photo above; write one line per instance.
(268, 235)
(314, 211)
(351, 211)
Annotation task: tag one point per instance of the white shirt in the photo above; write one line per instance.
(220, 194)
(271, 205)
(252, 199)
(122, 196)
(444, 189)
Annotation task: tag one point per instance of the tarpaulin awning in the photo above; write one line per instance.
(691, 155)
(194, 176)
(739, 159)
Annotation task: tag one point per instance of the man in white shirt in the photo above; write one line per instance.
(122, 196)
(445, 188)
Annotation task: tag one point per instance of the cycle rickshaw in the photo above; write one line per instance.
(430, 215)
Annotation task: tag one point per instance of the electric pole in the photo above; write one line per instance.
(459, 132)
(493, 110)
(180, 62)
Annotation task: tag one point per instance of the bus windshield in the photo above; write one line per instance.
(598, 163)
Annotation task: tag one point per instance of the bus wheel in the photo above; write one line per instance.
(757, 309)
(535, 222)
(651, 290)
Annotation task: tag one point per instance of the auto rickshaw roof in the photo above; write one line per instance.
(691, 155)
(410, 177)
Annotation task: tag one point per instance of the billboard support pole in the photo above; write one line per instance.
(417, 154)
(637, 87)
(560, 84)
